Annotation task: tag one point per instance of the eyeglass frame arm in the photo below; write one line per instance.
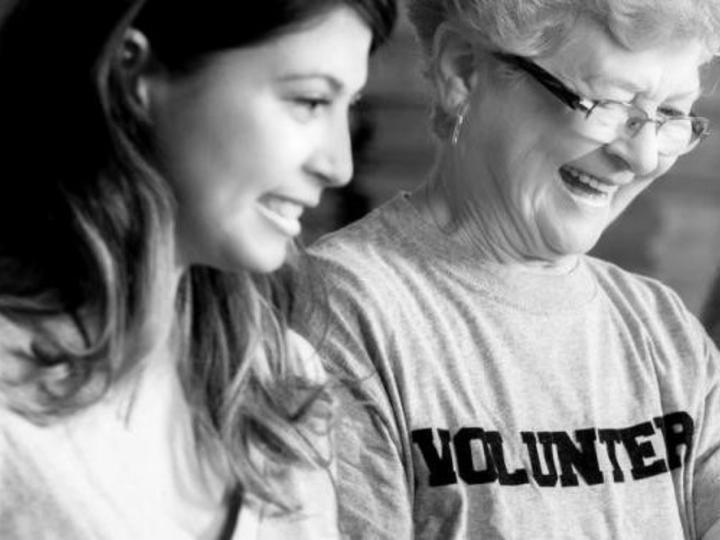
(587, 105)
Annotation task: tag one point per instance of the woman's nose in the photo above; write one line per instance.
(333, 161)
(638, 149)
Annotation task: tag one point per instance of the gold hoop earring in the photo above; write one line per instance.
(459, 121)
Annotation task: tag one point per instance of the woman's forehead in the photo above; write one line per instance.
(594, 61)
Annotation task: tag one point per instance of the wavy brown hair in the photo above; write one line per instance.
(86, 231)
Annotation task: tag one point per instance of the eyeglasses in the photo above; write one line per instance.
(606, 119)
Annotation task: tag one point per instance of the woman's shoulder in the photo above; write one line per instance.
(21, 443)
(634, 288)
(370, 239)
(364, 263)
(38, 481)
(653, 308)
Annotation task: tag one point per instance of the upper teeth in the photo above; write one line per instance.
(284, 208)
(591, 181)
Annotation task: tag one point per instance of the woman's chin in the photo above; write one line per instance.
(259, 259)
(262, 262)
(569, 244)
(566, 235)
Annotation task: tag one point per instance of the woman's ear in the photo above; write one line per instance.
(454, 68)
(135, 64)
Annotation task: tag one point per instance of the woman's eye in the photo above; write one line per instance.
(312, 105)
(670, 112)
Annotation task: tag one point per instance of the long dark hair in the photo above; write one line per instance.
(86, 228)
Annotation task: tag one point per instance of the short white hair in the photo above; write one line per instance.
(539, 27)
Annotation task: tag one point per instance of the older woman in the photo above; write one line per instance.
(503, 383)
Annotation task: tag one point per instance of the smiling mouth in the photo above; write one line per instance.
(283, 213)
(587, 187)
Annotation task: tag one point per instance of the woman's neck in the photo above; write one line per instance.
(479, 223)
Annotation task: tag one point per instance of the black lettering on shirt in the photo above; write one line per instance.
(678, 430)
(476, 456)
(440, 464)
(582, 459)
(516, 478)
(610, 437)
(463, 442)
(639, 452)
(544, 479)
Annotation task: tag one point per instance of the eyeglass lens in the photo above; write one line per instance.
(609, 120)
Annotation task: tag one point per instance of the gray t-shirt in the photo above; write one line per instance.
(484, 401)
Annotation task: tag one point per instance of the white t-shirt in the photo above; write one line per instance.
(121, 471)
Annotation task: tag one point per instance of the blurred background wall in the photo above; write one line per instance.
(671, 232)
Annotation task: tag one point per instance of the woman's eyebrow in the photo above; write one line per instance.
(336, 84)
(617, 82)
(634, 88)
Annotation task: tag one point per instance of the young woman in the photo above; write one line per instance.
(157, 156)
